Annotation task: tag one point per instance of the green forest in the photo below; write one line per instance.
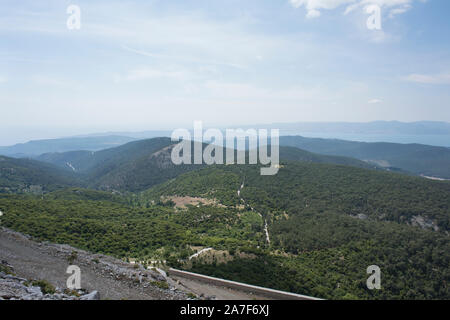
(312, 229)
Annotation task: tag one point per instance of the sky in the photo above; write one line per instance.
(151, 65)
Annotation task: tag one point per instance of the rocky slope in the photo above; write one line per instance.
(102, 276)
(17, 288)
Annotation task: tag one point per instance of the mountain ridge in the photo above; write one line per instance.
(416, 158)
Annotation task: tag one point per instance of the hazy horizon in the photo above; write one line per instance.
(137, 66)
(338, 130)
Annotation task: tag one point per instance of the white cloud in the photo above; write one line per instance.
(394, 7)
(45, 80)
(182, 58)
(187, 37)
(313, 7)
(3, 79)
(397, 11)
(379, 36)
(429, 78)
(374, 101)
(313, 14)
(249, 91)
(146, 73)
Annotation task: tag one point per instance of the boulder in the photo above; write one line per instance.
(94, 295)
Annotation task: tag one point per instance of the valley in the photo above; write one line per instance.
(312, 229)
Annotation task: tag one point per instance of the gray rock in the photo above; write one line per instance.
(158, 277)
(31, 297)
(35, 291)
(424, 223)
(10, 289)
(10, 277)
(94, 295)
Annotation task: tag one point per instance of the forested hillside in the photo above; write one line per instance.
(328, 223)
(101, 222)
(312, 229)
(99, 162)
(415, 158)
(29, 176)
(291, 153)
(319, 188)
(138, 165)
(134, 166)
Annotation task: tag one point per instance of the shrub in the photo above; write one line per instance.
(5, 269)
(161, 284)
(73, 256)
(191, 295)
(70, 292)
(46, 287)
